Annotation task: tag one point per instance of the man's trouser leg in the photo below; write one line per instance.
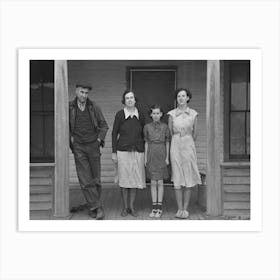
(89, 184)
(94, 159)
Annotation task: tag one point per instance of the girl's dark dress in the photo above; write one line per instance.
(156, 134)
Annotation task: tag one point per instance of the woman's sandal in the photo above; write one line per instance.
(179, 214)
(185, 214)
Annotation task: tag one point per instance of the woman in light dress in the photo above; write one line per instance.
(128, 151)
(182, 123)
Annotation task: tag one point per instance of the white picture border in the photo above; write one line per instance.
(254, 55)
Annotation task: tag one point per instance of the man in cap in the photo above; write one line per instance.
(88, 129)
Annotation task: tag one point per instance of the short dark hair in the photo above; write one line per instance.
(156, 106)
(125, 93)
(189, 94)
(84, 86)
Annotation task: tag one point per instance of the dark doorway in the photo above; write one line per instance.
(153, 86)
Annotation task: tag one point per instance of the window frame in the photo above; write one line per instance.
(44, 114)
(227, 111)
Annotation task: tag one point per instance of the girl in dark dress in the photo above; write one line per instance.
(157, 138)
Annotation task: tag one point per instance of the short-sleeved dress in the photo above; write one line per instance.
(156, 134)
(182, 151)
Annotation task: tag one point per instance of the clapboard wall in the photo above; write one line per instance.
(236, 186)
(109, 81)
(41, 187)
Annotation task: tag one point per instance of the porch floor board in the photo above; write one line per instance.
(111, 197)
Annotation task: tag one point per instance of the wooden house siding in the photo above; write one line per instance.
(41, 187)
(235, 175)
(109, 81)
(236, 186)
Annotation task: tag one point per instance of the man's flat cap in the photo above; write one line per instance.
(84, 85)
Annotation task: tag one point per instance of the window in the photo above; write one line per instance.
(237, 102)
(41, 111)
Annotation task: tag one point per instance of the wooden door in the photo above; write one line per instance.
(153, 86)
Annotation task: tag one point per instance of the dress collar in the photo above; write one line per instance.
(128, 114)
(179, 112)
(156, 123)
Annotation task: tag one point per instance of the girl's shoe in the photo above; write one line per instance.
(153, 213)
(185, 214)
(179, 214)
(158, 213)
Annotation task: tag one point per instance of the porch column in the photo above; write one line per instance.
(61, 186)
(213, 118)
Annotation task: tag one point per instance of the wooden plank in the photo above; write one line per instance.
(236, 180)
(104, 167)
(243, 213)
(236, 205)
(41, 164)
(107, 180)
(112, 203)
(40, 215)
(107, 173)
(41, 197)
(41, 172)
(40, 206)
(40, 189)
(237, 172)
(41, 181)
(76, 197)
(61, 191)
(237, 188)
(74, 180)
(236, 164)
(237, 197)
(213, 116)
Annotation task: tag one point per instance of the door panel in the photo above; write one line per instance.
(154, 87)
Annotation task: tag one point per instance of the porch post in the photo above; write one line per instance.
(61, 189)
(213, 118)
